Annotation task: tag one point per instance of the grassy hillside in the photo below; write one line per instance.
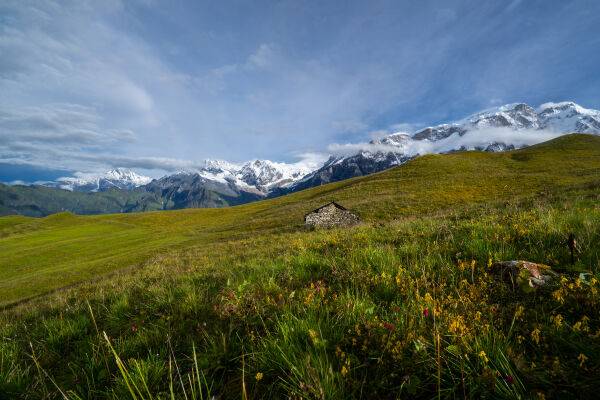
(43, 254)
(39, 201)
(241, 302)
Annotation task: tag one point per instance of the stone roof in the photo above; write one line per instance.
(326, 205)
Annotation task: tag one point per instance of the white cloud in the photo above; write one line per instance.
(481, 138)
(262, 58)
(474, 139)
(68, 125)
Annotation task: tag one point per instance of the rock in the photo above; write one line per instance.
(524, 272)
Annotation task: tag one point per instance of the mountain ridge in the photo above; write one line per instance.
(267, 178)
(219, 183)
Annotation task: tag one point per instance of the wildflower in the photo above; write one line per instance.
(520, 339)
(536, 335)
(582, 358)
(259, 376)
(426, 312)
(428, 298)
(133, 328)
(344, 371)
(519, 312)
(483, 356)
(510, 380)
(557, 319)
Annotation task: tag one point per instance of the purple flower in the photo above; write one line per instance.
(510, 380)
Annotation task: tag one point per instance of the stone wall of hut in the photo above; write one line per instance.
(331, 216)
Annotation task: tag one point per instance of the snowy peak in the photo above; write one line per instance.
(569, 117)
(565, 117)
(496, 129)
(255, 176)
(218, 166)
(515, 116)
(120, 178)
(266, 174)
(398, 139)
(500, 128)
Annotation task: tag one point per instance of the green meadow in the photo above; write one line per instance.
(243, 302)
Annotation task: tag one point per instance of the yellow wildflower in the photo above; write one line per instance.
(557, 319)
(519, 312)
(558, 295)
(483, 355)
(582, 358)
(536, 335)
(259, 376)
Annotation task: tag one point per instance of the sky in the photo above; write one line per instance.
(158, 86)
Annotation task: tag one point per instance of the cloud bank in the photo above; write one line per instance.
(473, 139)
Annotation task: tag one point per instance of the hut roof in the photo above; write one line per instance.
(326, 205)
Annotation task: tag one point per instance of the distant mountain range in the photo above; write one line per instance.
(220, 183)
(119, 178)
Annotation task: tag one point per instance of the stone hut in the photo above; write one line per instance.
(330, 215)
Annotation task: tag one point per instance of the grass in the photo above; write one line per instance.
(41, 255)
(241, 302)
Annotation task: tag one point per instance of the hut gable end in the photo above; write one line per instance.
(330, 215)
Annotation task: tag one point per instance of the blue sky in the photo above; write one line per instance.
(157, 86)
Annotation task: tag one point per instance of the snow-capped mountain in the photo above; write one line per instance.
(120, 178)
(218, 182)
(565, 117)
(496, 129)
(256, 175)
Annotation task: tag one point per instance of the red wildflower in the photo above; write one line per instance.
(510, 380)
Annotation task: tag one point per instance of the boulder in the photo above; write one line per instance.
(521, 271)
